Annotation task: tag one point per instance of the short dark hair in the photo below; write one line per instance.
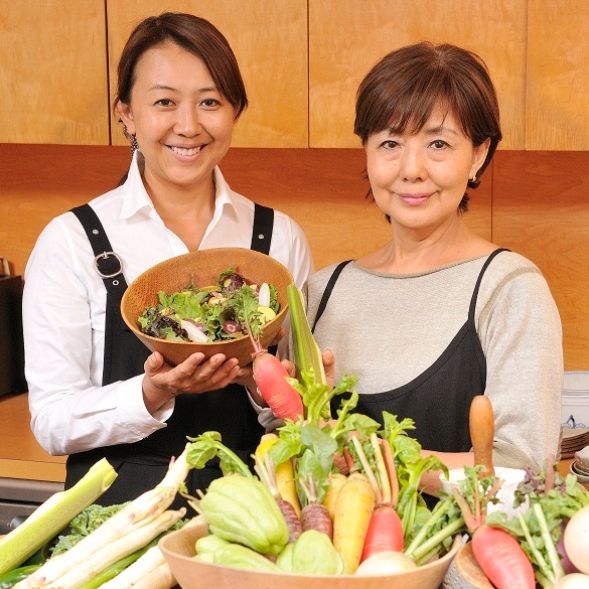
(404, 87)
(196, 35)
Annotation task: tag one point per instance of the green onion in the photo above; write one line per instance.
(307, 353)
(53, 515)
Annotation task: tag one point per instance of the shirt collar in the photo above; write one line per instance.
(136, 198)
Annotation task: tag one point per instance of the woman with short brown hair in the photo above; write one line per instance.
(439, 314)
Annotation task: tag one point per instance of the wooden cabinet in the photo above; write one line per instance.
(53, 74)
(557, 101)
(302, 61)
(345, 42)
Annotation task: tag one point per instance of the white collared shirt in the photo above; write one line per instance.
(64, 307)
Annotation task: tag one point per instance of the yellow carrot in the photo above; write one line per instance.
(354, 507)
(335, 484)
(283, 473)
(266, 442)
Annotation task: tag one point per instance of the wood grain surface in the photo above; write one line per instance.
(269, 40)
(347, 38)
(21, 457)
(53, 75)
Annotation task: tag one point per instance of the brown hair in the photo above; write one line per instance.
(196, 35)
(403, 88)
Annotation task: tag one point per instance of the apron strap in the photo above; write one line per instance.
(108, 264)
(475, 294)
(327, 292)
(263, 228)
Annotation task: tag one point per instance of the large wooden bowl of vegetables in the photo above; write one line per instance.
(198, 302)
(179, 550)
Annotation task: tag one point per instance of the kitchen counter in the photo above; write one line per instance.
(21, 457)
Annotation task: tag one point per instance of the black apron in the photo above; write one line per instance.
(142, 465)
(438, 400)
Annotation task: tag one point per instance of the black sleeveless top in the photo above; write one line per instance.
(143, 464)
(438, 400)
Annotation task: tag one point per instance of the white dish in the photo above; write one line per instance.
(511, 477)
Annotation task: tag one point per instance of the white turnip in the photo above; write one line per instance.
(387, 562)
(573, 581)
(576, 540)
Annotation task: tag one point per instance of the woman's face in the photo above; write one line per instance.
(182, 121)
(420, 179)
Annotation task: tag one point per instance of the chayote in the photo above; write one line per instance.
(312, 553)
(241, 557)
(242, 510)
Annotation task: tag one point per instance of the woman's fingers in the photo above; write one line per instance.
(329, 365)
(290, 367)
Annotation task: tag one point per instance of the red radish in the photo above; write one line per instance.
(270, 376)
(269, 373)
(502, 559)
(385, 530)
(498, 554)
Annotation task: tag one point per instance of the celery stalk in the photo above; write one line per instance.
(53, 515)
(306, 351)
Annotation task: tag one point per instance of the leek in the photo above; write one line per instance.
(54, 515)
(306, 351)
(126, 531)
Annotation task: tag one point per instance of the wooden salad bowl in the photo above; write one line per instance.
(178, 550)
(202, 268)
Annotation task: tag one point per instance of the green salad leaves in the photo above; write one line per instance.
(223, 311)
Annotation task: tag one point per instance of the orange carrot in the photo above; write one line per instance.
(385, 531)
(354, 507)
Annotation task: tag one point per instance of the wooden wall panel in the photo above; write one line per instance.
(558, 77)
(322, 189)
(540, 210)
(346, 38)
(38, 182)
(270, 42)
(53, 73)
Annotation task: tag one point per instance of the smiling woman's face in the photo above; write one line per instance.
(182, 122)
(419, 179)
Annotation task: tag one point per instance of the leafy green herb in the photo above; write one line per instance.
(208, 446)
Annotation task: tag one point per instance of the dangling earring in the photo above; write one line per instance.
(131, 137)
(134, 144)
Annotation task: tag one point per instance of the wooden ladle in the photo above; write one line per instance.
(481, 424)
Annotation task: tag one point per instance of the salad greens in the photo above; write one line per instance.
(223, 311)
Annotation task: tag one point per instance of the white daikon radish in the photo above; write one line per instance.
(195, 333)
